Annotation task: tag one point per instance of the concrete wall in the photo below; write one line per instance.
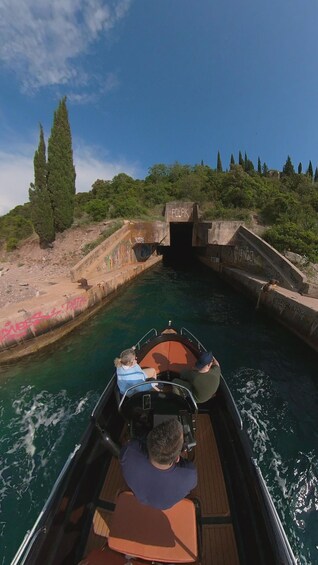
(115, 262)
(249, 252)
(299, 316)
(181, 212)
(222, 233)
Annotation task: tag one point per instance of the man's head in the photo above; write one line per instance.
(205, 359)
(165, 441)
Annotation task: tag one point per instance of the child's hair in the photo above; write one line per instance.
(126, 357)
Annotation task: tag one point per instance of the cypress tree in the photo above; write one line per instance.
(219, 167)
(310, 171)
(316, 175)
(61, 171)
(259, 166)
(241, 160)
(300, 168)
(41, 210)
(232, 160)
(265, 169)
(288, 169)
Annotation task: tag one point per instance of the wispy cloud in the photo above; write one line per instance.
(42, 42)
(16, 171)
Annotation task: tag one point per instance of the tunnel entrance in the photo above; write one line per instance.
(180, 248)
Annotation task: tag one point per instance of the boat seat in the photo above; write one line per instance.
(168, 536)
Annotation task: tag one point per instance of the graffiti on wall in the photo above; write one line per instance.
(244, 255)
(121, 255)
(144, 250)
(180, 214)
(14, 331)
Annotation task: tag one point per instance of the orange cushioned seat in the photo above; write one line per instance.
(155, 535)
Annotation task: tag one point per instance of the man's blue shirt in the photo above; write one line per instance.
(156, 487)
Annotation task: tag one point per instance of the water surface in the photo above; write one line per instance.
(46, 399)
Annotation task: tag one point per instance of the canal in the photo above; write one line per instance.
(45, 400)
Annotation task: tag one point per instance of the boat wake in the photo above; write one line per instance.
(36, 442)
(290, 474)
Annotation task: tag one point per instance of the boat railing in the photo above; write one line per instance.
(279, 532)
(232, 404)
(145, 338)
(184, 392)
(186, 333)
(31, 537)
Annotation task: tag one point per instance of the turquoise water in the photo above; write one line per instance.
(46, 400)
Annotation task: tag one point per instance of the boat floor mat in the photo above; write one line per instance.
(219, 545)
(211, 489)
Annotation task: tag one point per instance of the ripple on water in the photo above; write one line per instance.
(291, 475)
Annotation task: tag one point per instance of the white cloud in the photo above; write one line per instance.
(90, 167)
(16, 172)
(43, 41)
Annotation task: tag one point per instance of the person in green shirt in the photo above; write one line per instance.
(204, 379)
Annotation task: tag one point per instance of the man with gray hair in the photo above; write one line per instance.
(159, 477)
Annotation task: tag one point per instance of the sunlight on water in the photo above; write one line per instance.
(291, 477)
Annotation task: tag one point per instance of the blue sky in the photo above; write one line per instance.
(157, 81)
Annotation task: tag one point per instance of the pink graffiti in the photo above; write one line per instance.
(18, 330)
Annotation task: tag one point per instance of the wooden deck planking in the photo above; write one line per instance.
(114, 482)
(99, 531)
(211, 490)
(219, 545)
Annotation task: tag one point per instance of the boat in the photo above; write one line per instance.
(91, 517)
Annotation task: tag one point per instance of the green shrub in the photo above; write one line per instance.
(12, 243)
(88, 247)
(291, 237)
(97, 209)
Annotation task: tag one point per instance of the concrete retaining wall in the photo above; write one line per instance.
(108, 267)
(248, 251)
(299, 314)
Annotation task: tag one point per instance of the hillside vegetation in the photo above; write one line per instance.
(287, 202)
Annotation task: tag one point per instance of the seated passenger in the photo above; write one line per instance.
(128, 371)
(159, 477)
(204, 379)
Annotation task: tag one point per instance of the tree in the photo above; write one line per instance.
(241, 160)
(300, 168)
(265, 169)
(288, 168)
(316, 175)
(219, 167)
(259, 166)
(310, 171)
(41, 210)
(61, 171)
(232, 160)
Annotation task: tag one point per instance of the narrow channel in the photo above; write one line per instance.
(46, 400)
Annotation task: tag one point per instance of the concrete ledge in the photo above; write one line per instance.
(297, 313)
(25, 327)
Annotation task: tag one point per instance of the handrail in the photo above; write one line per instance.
(184, 331)
(283, 539)
(32, 535)
(171, 383)
(138, 344)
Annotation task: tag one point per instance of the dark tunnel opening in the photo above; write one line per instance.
(180, 249)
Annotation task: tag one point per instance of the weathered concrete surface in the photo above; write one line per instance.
(297, 313)
(176, 212)
(117, 261)
(221, 233)
(26, 327)
(246, 250)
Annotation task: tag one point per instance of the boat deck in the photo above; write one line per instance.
(218, 538)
